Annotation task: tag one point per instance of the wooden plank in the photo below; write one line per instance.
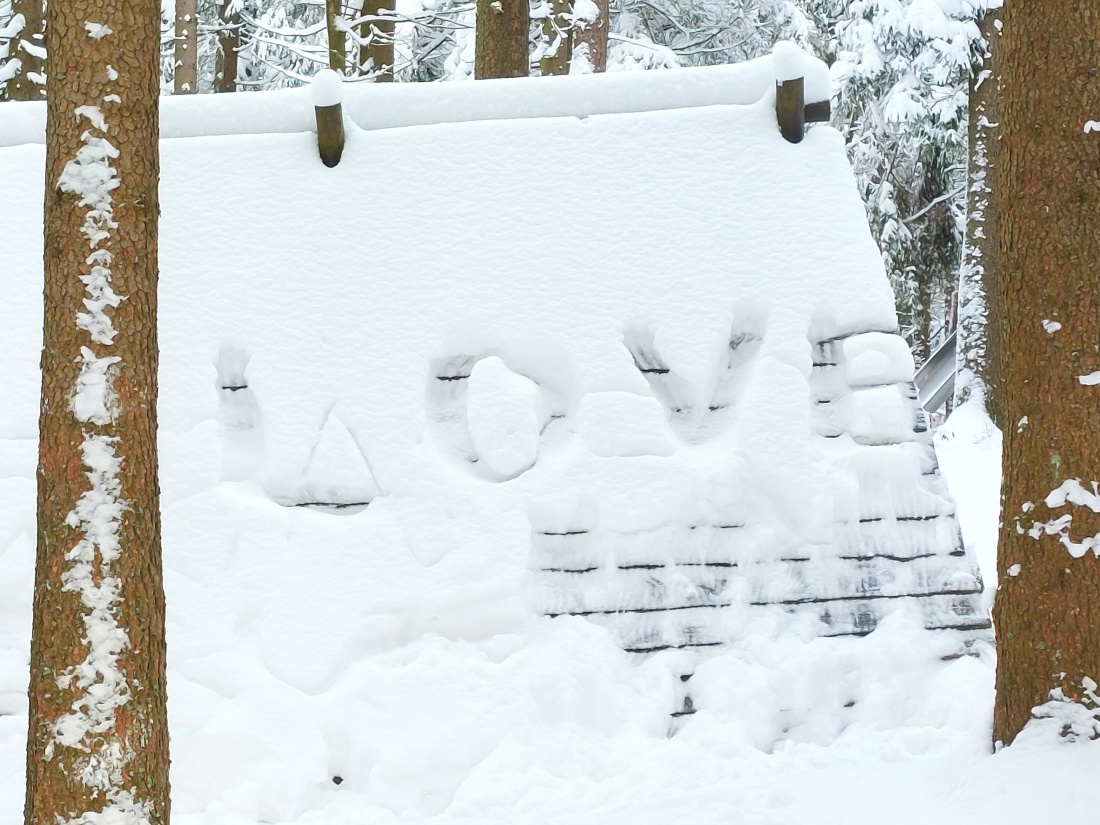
(330, 133)
(790, 109)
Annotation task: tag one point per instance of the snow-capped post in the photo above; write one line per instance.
(328, 92)
(789, 64)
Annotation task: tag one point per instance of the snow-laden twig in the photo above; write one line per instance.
(933, 204)
(13, 28)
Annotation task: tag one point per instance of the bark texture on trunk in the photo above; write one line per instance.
(593, 37)
(558, 31)
(1047, 611)
(378, 53)
(98, 738)
(29, 48)
(186, 79)
(229, 40)
(337, 37)
(979, 331)
(500, 48)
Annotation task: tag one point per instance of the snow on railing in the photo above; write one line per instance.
(935, 379)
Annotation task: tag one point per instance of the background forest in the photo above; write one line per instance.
(901, 70)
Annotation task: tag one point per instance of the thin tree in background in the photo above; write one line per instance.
(376, 46)
(29, 49)
(337, 36)
(500, 48)
(590, 41)
(229, 44)
(186, 79)
(1047, 612)
(557, 30)
(97, 749)
(980, 271)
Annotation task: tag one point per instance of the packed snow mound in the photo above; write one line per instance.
(640, 368)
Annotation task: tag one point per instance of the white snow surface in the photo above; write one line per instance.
(625, 424)
(875, 358)
(502, 413)
(327, 88)
(789, 61)
(394, 105)
(309, 349)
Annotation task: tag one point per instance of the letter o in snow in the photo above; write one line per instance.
(502, 415)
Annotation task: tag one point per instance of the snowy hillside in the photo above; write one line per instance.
(639, 367)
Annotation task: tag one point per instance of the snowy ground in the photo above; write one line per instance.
(552, 724)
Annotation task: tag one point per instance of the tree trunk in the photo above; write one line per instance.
(229, 41)
(377, 56)
(922, 318)
(557, 29)
(29, 48)
(187, 47)
(1048, 183)
(592, 39)
(500, 48)
(337, 38)
(97, 746)
(980, 271)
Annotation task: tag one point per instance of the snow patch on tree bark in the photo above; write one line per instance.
(1073, 719)
(94, 399)
(1069, 492)
(99, 682)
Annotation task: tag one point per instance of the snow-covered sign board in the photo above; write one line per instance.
(640, 367)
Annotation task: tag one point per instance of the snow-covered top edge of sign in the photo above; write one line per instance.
(394, 105)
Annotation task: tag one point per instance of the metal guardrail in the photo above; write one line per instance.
(935, 379)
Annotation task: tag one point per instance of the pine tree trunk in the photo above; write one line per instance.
(29, 48)
(557, 30)
(229, 41)
(98, 625)
(337, 38)
(980, 271)
(1048, 183)
(500, 48)
(186, 79)
(378, 54)
(594, 38)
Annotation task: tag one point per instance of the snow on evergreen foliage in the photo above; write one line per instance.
(901, 85)
(286, 44)
(703, 32)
